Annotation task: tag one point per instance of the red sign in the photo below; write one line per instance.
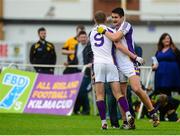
(3, 50)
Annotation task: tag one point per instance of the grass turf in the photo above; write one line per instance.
(29, 124)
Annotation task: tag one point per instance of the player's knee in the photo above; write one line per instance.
(99, 96)
(136, 89)
(118, 96)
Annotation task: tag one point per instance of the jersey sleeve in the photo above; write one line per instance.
(125, 28)
(66, 44)
(110, 30)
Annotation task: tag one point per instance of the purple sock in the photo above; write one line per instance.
(152, 112)
(102, 109)
(123, 103)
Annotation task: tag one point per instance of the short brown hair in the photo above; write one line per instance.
(100, 17)
(80, 26)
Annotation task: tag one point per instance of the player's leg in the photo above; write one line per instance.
(113, 78)
(99, 74)
(123, 86)
(132, 72)
(99, 88)
(112, 106)
(136, 87)
(122, 101)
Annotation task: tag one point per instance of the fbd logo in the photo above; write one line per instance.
(18, 83)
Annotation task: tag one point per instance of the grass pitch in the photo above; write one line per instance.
(33, 124)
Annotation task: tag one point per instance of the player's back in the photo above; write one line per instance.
(102, 47)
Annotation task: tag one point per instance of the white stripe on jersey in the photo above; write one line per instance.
(128, 41)
(101, 46)
(128, 38)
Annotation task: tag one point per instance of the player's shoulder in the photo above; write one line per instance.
(93, 30)
(110, 29)
(104, 26)
(125, 24)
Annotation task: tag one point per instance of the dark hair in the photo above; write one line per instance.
(118, 11)
(41, 29)
(172, 46)
(81, 33)
(80, 26)
(160, 43)
(100, 17)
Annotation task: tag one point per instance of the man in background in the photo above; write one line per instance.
(68, 49)
(43, 53)
(81, 58)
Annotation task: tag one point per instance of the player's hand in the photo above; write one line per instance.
(139, 60)
(101, 30)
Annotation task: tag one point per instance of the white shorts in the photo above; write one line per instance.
(129, 69)
(105, 72)
(122, 77)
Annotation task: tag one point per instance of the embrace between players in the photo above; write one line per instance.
(114, 62)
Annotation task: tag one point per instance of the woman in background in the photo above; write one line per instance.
(167, 68)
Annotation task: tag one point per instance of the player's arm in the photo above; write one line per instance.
(112, 36)
(127, 52)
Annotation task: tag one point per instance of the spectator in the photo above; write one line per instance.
(43, 52)
(80, 58)
(167, 107)
(69, 47)
(167, 70)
